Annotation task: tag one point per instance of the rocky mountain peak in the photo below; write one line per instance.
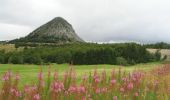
(56, 30)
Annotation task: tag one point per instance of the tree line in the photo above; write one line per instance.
(159, 45)
(81, 53)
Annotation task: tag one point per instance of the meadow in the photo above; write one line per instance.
(164, 52)
(85, 82)
(29, 72)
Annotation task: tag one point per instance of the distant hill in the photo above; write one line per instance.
(57, 30)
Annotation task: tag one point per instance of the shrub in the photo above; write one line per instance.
(2, 60)
(157, 55)
(33, 59)
(121, 61)
(15, 59)
(164, 58)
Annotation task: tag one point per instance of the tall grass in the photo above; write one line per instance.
(117, 85)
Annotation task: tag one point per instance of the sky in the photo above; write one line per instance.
(144, 21)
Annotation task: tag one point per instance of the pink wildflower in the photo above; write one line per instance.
(97, 80)
(16, 92)
(136, 94)
(33, 88)
(115, 98)
(57, 87)
(130, 86)
(56, 75)
(122, 89)
(113, 81)
(40, 76)
(6, 76)
(104, 90)
(36, 97)
(66, 92)
(85, 77)
(82, 89)
(98, 90)
(27, 89)
(42, 83)
(72, 89)
(17, 77)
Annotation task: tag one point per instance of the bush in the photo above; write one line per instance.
(15, 59)
(121, 61)
(164, 58)
(2, 60)
(157, 55)
(33, 59)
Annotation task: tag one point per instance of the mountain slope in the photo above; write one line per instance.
(57, 30)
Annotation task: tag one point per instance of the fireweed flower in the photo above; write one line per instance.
(72, 89)
(104, 90)
(85, 77)
(40, 75)
(125, 79)
(130, 86)
(97, 80)
(17, 77)
(57, 87)
(15, 92)
(113, 81)
(42, 83)
(81, 89)
(115, 98)
(36, 97)
(7, 76)
(66, 93)
(136, 94)
(18, 93)
(122, 89)
(98, 90)
(27, 89)
(56, 75)
(33, 88)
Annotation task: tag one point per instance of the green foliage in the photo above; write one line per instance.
(164, 58)
(82, 53)
(32, 59)
(121, 61)
(159, 45)
(2, 59)
(15, 59)
(157, 55)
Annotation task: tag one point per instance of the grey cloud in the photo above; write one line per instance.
(94, 20)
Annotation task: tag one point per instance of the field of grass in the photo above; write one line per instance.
(10, 47)
(106, 82)
(163, 52)
(28, 73)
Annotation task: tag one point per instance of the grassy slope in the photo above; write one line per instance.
(10, 47)
(29, 72)
(163, 52)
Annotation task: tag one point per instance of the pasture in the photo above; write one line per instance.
(106, 82)
(162, 51)
(29, 73)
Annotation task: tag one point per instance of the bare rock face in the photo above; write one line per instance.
(56, 30)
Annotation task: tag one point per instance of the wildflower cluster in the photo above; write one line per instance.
(119, 85)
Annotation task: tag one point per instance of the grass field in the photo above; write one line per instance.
(29, 72)
(162, 51)
(10, 47)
